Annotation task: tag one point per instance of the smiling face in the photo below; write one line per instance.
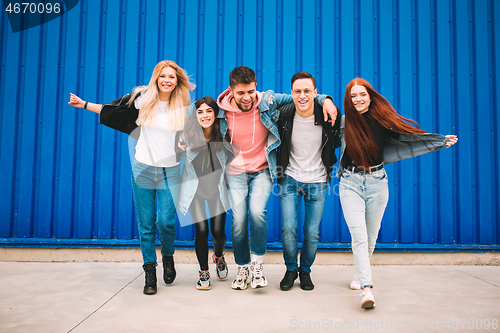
(303, 93)
(167, 81)
(205, 115)
(244, 95)
(360, 98)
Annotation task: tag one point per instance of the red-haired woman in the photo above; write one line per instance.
(373, 134)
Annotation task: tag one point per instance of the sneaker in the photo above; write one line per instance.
(220, 266)
(288, 280)
(355, 283)
(150, 274)
(305, 281)
(367, 300)
(204, 281)
(258, 280)
(168, 269)
(241, 282)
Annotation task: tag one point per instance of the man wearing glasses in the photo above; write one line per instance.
(305, 160)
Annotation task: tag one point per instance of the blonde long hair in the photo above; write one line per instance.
(178, 104)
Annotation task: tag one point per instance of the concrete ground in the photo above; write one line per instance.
(107, 297)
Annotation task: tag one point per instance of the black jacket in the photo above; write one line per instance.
(119, 116)
(122, 117)
(329, 142)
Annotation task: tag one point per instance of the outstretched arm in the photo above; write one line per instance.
(452, 141)
(79, 103)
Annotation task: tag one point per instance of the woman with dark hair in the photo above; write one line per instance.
(373, 135)
(206, 158)
(153, 114)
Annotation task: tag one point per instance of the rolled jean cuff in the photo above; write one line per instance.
(366, 286)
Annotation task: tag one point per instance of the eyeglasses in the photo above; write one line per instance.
(307, 92)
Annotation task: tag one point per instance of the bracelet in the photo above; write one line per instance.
(85, 106)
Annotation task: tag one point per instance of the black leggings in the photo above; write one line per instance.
(217, 225)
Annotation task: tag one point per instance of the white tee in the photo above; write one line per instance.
(156, 144)
(305, 164)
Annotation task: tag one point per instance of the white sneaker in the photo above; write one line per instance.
(241, 282)
(355, 283)
(367, 300)
(258, 280)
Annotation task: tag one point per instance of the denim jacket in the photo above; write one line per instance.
(269, 114)
(189, 179)
(406, 146)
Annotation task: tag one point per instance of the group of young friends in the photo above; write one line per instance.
(234, 149)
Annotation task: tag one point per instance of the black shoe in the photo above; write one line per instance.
(305, 281)
(288, 279)
(168, 269)
(150, 272)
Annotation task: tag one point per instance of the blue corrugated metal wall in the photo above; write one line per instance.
(66, 180)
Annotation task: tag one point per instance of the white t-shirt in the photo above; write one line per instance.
(305, 164)
(156, 144)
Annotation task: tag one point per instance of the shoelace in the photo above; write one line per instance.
(150, 278)
(241, 272)
(257, 269)
(204, 275)
(221, 263)
(169, 264)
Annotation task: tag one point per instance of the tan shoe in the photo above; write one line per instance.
(367, 300)
(355, 283)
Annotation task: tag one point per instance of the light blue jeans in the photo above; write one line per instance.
(248, 195)
(291, 192)
(363, 198)
(149, 182)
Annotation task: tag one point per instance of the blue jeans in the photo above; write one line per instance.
(148, 182)
(291, 192)
(363, 199)
(248, 194)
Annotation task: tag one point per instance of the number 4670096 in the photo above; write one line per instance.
(30, 7)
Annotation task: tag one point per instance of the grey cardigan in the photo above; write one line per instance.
(406, 146)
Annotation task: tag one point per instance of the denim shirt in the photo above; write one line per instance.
(269, 114)
(406, 146)
(189, 179)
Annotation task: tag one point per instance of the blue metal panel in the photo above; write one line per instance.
(425, 101)
(446, 196)
(66, 177)
(44, 208)
(495, 88)
(464, 107)
(481, 71)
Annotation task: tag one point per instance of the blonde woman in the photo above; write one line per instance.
(154, 114)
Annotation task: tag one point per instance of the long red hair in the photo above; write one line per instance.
(360, 143)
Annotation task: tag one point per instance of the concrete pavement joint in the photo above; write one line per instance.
(119, 291)
(474, 277)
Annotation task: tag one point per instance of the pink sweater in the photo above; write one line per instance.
(248, 136)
